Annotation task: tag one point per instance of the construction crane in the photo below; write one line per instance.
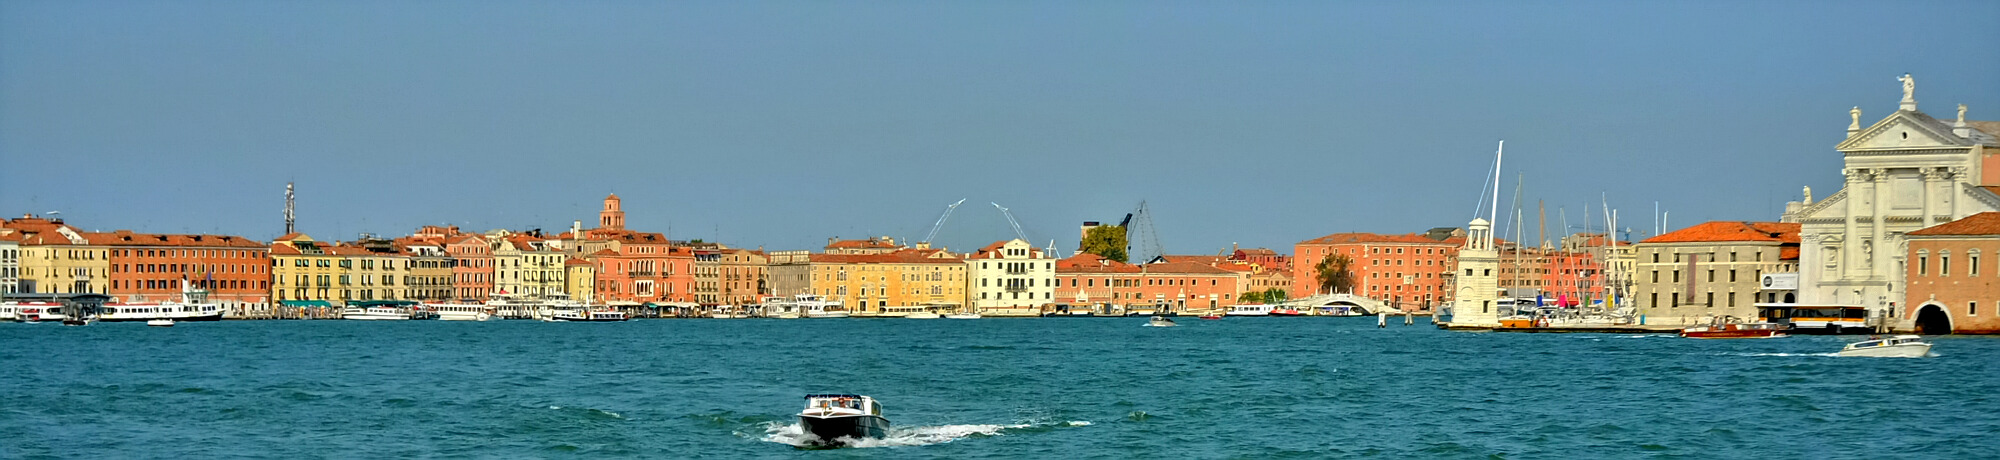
(940, 221)
(1011, 221)
(1141, 236)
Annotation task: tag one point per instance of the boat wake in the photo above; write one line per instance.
(1781, 354)
(794, 435)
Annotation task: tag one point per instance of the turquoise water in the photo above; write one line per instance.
(993, 388)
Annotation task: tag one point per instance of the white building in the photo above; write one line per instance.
(1010, 278)
(1906, 172)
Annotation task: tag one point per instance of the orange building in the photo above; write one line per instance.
(1089, 279)
(234, 270)
(633, 266)
(1953, 284)
(1269, 259)
(1409, 269)
(743, 276)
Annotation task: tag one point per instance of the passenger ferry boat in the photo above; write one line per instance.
(812, 306)
(588, 316)
(192, 306)
(1250, 310)
(31, 312)
(511, 306)
(461, 311)
(771, 306)
(838, 419)
(381, 310)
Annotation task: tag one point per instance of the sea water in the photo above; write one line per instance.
(990, 388)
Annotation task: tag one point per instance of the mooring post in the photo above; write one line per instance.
(1381, 319)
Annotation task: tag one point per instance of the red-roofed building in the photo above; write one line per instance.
(1010, 278)
(1953, 283)
(1709, 270)
(883, 245)
(873, 283)
(56, 258)
(472, 273)
(1410, 270)
(1103, 285)
(235, 271)
(1269, 259)
(743, 277)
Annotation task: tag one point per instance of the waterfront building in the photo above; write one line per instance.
(1091, 280)
(580, 278)
(1954, 283)
(1476, 279)
(57, 258)
(1711, 270)
(529, 266)
(304, 271)
(144, 267)
(1410, 270)
(1906, 172)
(789, 272)
(869, 283)
(371, 270)
(1613, 260)
(1010, 278)
(429, 271)
(707, 274)
(472, 266)
(744, 276)
(1261, 278)
(10, 262)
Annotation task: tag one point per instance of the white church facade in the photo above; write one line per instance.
(1906, 172)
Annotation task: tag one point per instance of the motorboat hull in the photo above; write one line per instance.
(217, 316)
(840, 429)
(1906, 350)
(1738, 334)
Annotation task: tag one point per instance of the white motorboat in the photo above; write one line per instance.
(1250, 310)
(812, 306)
(162, 322)
(461, 311)
(837, 419)
(1160, 321)
(1901, 346)
(923, 315)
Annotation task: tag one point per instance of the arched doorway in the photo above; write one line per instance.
(1791, 298)
(1932, 320)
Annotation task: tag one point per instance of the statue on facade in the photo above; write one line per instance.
(1867, 253)
(1808, 194)
(1961, 114)
(1909, 87)
(1854, 113)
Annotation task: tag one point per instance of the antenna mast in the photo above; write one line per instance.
(288, 208)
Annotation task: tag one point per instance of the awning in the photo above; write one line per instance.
(307, 303)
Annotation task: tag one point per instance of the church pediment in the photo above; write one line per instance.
(1904, 130)
(1825, 208)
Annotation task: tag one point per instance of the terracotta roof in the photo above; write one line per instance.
(1093, 263)
(908, 256)
(1354, 238)
(992, 251)
(290, 236)
(861, 244)
(604, 252)
(1985, 223)
(1195, 259)
(1192, 268)
(576, 261)
(127, 238)
(1257, 252)
(1788, 253)
(1720, 231)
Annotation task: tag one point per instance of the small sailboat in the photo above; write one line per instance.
(160, 322)
(1160, 321)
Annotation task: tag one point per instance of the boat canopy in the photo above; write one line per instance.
(834, 396)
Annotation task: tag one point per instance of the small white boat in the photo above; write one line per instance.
(922, 315)
(162, 322)
(382, 310)
(1901, 346)
(1250, 310)
(964, 314)
(1160, 321)
(589, 316)
(834, 420)
(812, 306)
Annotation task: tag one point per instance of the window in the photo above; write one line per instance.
(1944, 263)
(1676, 299)
(1923, 263)
(1972, 267)
(1732, 276)
(1656, 276)
(1972, 309)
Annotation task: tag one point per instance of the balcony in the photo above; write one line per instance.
(644, 274)
(1017, 288)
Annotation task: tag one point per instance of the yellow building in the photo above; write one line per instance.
(429, 270)
(581, 278)
(895, 281)
(374, 269)
(303, 271)
(528, 266)
(58, 259)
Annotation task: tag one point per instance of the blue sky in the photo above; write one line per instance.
(782, 124)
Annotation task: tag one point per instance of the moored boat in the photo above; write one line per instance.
(162, 322)
(382, 310)
(1901, 346)
(589, 316)
(840, 419)
(812, 306)
(461, 311)
(1160, 321)
(1251, 310)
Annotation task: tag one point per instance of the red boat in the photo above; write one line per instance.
(1211, 317)
(1734, 331)
(1286, 312)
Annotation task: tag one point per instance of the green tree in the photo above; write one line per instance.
(1274, 295)
(1250, 297)
(1107, 241)
(1335, 274)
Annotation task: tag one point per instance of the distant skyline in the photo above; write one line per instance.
(780, 124)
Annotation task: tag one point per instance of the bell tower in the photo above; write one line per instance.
(611, 218)
(1478, 286)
